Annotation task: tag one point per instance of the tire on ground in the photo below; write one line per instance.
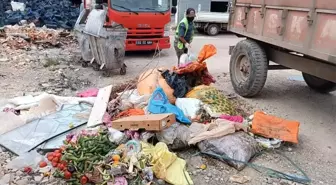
(319, 84)
(258, 62)
(213, 29)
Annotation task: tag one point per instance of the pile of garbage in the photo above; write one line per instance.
(24, 37)
(49, 13)
(129, 137)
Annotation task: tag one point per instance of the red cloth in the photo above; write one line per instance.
(93, 92)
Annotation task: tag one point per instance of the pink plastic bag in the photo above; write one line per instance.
(237, 119)
(93, 92)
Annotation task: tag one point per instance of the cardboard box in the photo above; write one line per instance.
(152, 122)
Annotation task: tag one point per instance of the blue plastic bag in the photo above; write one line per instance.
(159, 104)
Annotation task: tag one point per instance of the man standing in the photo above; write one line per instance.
(184, 34)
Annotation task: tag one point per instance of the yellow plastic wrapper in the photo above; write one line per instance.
(166, 165)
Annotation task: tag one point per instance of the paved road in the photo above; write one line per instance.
(282, 97)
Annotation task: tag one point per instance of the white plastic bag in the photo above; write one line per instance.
(189, 106)
(31, 159)
(133, 99)
(187, 58)
(117, 137)
(17, 6)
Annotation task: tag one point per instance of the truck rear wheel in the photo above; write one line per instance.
(319, 84)
(248, 68)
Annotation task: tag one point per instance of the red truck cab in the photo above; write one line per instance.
(147, 21)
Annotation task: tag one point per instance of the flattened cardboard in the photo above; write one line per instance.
(152, 122)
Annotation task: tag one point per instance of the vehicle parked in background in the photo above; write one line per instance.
(295, 34)
(211, 23)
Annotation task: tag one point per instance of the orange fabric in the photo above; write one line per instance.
(130, 112)
(199, 65)
(273, 127)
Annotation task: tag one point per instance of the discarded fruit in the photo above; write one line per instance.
(56, 160)
(71, 169)
(67, 175)
(84, 180)
(50, 158)
(116, 158)
(54, 164)
(43, 164)
(27, 170)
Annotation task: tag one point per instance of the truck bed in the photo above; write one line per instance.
(303, 26)
(212, 17)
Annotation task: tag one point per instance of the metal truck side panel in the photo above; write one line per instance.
(307, 27)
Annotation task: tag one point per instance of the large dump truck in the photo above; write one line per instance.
(293, 34)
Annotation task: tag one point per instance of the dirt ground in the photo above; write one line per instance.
(59, 71)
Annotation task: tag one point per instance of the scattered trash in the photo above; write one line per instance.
(124, 136)
(240, 179)
(273, 127)
(23, 37)
(269, 143)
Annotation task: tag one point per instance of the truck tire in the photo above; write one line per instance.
(213, 29)
(319, 84)
(248, 68)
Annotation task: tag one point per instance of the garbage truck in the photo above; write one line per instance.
(292, 34)
(147, 21)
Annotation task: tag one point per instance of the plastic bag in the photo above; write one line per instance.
(273, 127)
(166, 165)
(218, 103)
(159, 104)
(133, 98)
(150, 80)
(117, 137)
(187, 58)
(216, 129)
(17, 6)
(238, 146)
(161, 159)
(199, 65)
(189, 106)
(29, 159)
(177, 173)
(176, 136)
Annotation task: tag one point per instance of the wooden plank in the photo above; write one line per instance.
(100, 106)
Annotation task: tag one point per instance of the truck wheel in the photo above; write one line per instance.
(319, 84)
(248, 68)
(213, 29)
